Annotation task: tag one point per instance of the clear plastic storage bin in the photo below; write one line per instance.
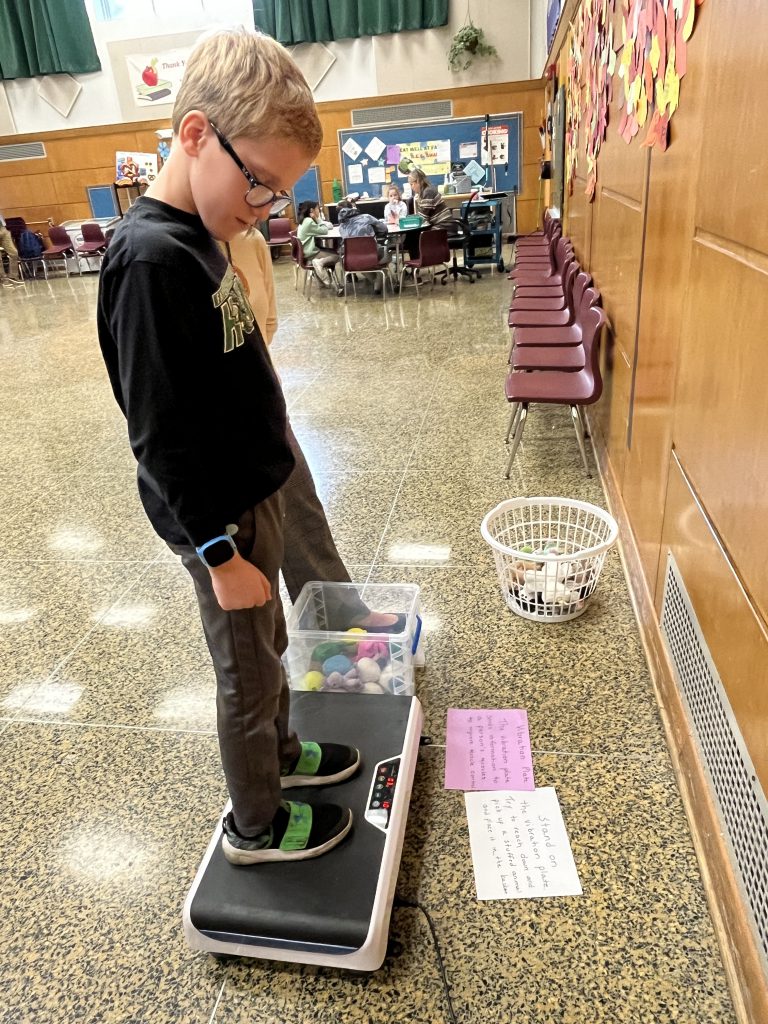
(323, 655)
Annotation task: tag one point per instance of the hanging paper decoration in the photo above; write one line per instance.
(590, 67)
(654, 44)
(651, 59)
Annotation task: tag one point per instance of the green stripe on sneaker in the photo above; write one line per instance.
(299, 826)
(309, 761)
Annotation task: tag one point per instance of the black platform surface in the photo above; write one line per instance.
(326, 901)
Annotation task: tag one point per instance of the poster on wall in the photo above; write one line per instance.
(432, 157)
(497, 139)
(155, 77)
(133, 168)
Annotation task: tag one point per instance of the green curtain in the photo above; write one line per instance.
(45, 37)
(313, 21)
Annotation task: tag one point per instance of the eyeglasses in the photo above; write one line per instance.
(257, 194)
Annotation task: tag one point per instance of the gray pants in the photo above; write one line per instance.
(252, 696)
(288, 530)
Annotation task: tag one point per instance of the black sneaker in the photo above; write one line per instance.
(298, 832)
(321, 764)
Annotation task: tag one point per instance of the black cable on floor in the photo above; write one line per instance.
(418, 906)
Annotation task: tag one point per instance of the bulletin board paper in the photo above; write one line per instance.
(467, 150)
(355, 174)
(488, 749)
(434, 158)
(352, 149)
(520, 848)
(375, 148)
(377, 175)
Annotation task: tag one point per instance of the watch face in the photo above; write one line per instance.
(219, 553)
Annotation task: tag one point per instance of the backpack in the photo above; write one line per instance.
(30, 247)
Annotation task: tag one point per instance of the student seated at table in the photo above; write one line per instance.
(395, 208)
(354, 224)
(311, 226)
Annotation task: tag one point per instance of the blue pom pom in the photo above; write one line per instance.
(337, 663)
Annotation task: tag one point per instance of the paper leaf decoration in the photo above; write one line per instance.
(649, 61)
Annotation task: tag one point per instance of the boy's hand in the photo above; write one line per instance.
(239, 584)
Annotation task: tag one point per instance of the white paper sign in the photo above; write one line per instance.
(377, 175)
(355, 174)
(443, 148)
(352, 149)
(519, 845)
(375, 148)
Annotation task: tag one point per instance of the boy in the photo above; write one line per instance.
(206, 417)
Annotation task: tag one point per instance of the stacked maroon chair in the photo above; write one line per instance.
(279, 235)
(553, 387)
(61, 247)
(300, 263)
(433, 252)
(556, 348)
(538, 239)
(361, 256)
(547, 311)
(94, 243)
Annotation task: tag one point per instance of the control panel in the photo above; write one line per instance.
(382, 794)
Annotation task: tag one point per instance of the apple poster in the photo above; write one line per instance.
(156, 77)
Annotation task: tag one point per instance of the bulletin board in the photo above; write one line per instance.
(307, 187)
(368, 156)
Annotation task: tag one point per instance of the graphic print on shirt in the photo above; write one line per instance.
(236, 312)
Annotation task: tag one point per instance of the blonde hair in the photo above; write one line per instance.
(249, 86)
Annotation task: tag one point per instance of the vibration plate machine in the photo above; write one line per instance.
(333, 910)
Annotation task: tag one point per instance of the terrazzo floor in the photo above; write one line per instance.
(108, 757)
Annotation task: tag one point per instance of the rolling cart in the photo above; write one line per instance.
(485, 217)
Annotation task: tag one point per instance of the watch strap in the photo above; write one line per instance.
(223, 537)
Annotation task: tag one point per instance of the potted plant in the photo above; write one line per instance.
(468, 43)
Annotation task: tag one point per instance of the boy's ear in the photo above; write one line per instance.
(193, 132)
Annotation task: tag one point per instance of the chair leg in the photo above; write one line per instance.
(580, 437)
(517, 437)
(402, 274)
(515, 408)
(583, 419)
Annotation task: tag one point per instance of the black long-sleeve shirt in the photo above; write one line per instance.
(188, 367)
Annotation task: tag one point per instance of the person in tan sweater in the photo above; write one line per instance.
(310, 550)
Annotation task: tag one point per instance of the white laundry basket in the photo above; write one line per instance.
(549, 553)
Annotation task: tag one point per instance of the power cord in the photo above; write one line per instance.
(446, 987)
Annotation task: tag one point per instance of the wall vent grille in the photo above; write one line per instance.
(400, 112)
(742, 804)
(22, 151)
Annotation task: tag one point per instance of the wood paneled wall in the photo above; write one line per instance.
(678, 244)
(55, 186)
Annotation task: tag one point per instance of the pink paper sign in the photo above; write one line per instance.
(488, 750)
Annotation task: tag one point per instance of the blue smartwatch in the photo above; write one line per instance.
(217, 551)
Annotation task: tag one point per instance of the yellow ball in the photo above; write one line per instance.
(313, 680)
(350, 646)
